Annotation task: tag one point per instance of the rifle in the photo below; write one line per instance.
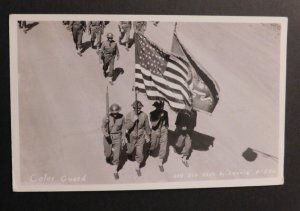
(107, 109)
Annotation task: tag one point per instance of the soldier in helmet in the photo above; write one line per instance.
(124, 28)
(138, 129)
(185, 124)
(107, 53)
(77, 28)
(96, 29)
(159, 136)
(114, 136)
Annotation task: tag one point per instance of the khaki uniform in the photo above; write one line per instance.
(124, 27)
(159, 133)
(186, 119)
(108, 51)
(77, 27)
(96, 28)
(137, 131)
(115, 128)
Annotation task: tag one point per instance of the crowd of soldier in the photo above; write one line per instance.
(134, 130)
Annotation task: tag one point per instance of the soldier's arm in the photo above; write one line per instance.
(123, 128)
(147, 125)
(117, 51)
(128, 122)
(104, 126)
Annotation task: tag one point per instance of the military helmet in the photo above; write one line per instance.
(109, 35)
(137, 104)
(115, 108)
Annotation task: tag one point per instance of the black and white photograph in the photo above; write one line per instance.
(136, 102)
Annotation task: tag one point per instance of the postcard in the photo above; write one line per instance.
(137, 102)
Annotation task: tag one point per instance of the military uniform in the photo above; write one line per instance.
(137, 131)
(96, 29)
(159, 136)
(77, 27)
(186, 119)
(124, 27)
(108, 51)
(140, 26)
(114, 127)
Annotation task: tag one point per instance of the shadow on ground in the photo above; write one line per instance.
(118, 71)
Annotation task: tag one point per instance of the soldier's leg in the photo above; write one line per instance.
(180, 140)
(139, 157)
(122, 33)
(74, 33)
(93, 35)
(111, 67)
(116, 144)
(79, 38)
(131, 145)
(163, 142)
(187, 146)
(98, 38)
(154, 140)
(107, 147)
(127, 34)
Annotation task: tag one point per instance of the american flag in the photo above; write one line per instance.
(162, 75)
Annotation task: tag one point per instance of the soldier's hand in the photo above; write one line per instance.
(106, 135)
(106, 120)
(147, 138)
(124, 141)
(162, 115)
(184, 128)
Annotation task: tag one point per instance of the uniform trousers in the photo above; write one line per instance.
(77, 32)
(113, 142)
(159, 138)
(184, 141)
(136, 143)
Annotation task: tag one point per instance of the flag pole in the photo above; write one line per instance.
(136, 111)
(107, 108)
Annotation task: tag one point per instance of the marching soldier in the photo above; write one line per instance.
(138, 129)
(96, 29)
(114, 136)
(140, 26)
(107, 53)
(124, 28)
(159, 136)
(77, 28)
(185, 124)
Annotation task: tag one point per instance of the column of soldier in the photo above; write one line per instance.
(107, 50)
(132, 132)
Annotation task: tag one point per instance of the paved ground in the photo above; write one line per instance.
(62, 102)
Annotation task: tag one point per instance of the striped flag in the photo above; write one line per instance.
(162, 75)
